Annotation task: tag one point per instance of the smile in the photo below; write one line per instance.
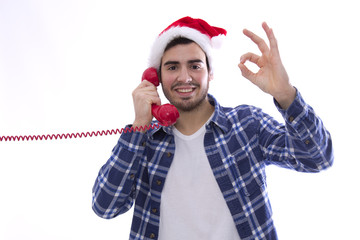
(185, 90)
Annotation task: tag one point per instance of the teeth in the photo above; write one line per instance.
(185, 90)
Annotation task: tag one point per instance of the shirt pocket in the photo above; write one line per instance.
(246, 178)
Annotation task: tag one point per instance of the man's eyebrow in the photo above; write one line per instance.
(195, 61)
(171, 63)
(177, 62)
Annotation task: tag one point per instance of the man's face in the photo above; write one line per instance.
(184, 76)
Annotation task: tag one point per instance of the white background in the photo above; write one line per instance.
(71, 65)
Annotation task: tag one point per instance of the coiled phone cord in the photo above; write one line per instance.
(166, 114)
(78, 135)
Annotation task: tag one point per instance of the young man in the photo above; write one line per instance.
(204, 177)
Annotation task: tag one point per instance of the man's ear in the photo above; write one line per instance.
(211, 76)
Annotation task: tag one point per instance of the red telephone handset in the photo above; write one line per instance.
(166, 114)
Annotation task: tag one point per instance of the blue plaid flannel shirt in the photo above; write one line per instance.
(239, 143)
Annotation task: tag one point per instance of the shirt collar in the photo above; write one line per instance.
(219, 119)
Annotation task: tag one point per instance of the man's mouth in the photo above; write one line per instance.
(185, 90)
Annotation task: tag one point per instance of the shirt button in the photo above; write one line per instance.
(291, 119)
(144, 144)
(169, 154)
(132, 176)
(154, 210)
(307, 142)
(152, 236)
(158, 182)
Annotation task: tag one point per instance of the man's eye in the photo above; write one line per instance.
(172, 68)
(195, 67)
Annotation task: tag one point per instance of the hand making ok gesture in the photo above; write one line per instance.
(271, 77)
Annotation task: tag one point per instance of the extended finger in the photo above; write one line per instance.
(270, 34)
(257, 40)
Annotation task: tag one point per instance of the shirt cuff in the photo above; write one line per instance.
(132, 141)
(295, 112)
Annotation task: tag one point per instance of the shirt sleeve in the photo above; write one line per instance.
(302, 143)
(114, 188)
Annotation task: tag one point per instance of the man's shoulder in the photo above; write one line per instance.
(240, 111)
(228, 111)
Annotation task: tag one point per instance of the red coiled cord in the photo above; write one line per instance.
(77, 135)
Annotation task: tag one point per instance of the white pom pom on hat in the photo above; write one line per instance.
(206, 36)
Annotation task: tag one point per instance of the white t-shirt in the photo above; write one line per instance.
(192, 205)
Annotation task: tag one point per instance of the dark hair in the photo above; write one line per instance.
(179, 41)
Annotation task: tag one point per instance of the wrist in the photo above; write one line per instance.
(286, 98)
(140, 125)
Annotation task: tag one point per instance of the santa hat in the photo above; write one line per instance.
(206, 36)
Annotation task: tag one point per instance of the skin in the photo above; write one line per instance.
(183, 67)
(271, 77)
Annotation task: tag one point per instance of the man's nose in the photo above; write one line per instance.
(184, 75)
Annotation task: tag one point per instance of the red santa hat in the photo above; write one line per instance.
(206, 36)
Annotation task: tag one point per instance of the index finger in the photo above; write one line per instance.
(263, 47)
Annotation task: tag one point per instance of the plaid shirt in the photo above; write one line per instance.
(239, 143)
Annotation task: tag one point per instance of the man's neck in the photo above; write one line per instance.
(191, 121)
